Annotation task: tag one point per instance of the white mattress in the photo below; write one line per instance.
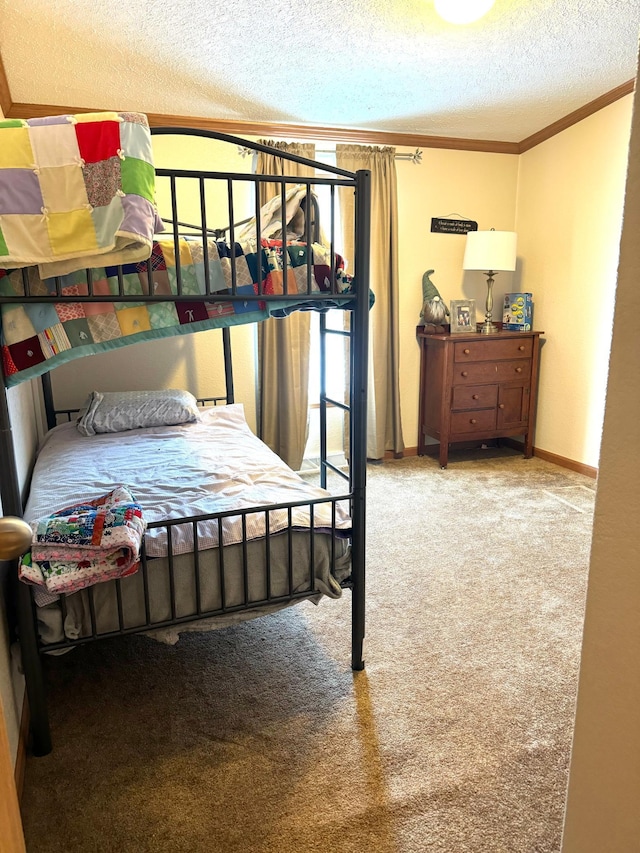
(213, 465)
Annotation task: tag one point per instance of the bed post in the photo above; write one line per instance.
(359, 412)
(31, 661)
(228, 369)
(47, 395)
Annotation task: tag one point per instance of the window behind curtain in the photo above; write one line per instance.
(336, 361)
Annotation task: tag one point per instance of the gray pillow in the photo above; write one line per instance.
(117, 411)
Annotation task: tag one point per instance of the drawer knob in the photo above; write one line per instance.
(464, 373)
(521, 347)
(518, 370)
(466, 351)
(474, 396)
(501, 406)
(473, 421)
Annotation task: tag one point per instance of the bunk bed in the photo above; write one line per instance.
(189, 563)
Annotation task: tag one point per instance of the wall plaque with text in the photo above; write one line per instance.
(452, 226)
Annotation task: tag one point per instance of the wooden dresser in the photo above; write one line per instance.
(477, 387)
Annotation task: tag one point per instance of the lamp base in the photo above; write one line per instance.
(488, 329)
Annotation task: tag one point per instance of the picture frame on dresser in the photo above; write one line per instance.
(463, 316)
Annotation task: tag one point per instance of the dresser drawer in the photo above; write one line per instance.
(483, 372)
(470, 422)
(488, 350)
(474, 396)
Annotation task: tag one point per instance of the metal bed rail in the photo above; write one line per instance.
(231, 251)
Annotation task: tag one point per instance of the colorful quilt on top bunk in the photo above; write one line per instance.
(78, 192)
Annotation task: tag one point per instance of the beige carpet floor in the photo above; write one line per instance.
(260, 739)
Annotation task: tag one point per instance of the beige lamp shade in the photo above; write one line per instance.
(490, 250)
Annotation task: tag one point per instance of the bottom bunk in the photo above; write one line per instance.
(229, 529)
(217, 529)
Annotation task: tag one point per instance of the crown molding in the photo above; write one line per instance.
(334, 134)
(288, 131)
(577, 116)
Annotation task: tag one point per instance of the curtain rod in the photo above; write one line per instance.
(414, 157)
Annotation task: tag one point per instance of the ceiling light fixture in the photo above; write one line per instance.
(462, 11)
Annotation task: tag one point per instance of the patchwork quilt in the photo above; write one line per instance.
(86, 543)
(36, 336)
(76, 191)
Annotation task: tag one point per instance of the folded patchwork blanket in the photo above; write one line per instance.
(76, 191)
(86, 543)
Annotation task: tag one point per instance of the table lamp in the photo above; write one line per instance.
(490, 252)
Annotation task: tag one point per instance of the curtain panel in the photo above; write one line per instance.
(384, 422)
(283, 344)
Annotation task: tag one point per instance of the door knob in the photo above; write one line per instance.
(15, 537)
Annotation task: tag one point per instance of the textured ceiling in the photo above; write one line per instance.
(380, 65)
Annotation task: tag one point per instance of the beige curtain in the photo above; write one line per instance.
(283, 345)
(384, 424)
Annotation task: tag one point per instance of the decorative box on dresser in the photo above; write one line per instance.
(477, 387)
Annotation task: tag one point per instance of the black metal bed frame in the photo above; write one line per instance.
(10, 493)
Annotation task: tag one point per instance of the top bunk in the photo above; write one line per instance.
(100, 248)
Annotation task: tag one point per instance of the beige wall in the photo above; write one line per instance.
(604, 787)
(569, 215)
(473, 185)
(565, 199)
